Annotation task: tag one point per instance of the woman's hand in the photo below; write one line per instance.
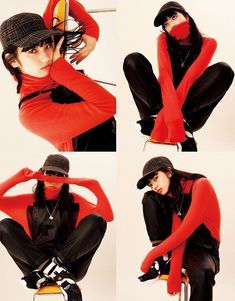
(57, 53)
(90, 44)
(26, 174)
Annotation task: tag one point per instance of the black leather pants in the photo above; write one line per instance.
(199, 262)
(76, 252)
(202, 98)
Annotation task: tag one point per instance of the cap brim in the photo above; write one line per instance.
(144, 180)
(35, 37)
(160, 16)
(54, 168)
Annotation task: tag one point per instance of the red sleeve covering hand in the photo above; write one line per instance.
(78, 12)
(15, 206)
(169, 125)
(204, 209)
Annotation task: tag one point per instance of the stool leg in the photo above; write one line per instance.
(186, 291)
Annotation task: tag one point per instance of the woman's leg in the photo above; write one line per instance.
(143, 84)
(157, 216)
(206, 93)
(77, 252)
(201, 269)
(19, 245)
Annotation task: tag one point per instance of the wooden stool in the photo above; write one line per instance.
(184, 280)
(48, 292)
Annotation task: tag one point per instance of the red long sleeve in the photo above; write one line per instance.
(78, 12)
(102, 206)
(58, 123)
(169, 126)
(16, 206)
(204, 209)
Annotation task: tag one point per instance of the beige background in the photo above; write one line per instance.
(99, 283)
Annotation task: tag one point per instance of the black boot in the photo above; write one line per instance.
(160, 266)
(189, 145)
(35, 280)
(55, 270)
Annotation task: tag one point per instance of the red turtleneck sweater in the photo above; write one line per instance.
(16, 206)
(169, 124)
(204, 209)
(59, 123)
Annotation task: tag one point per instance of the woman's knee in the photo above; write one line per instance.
(7, 226)
(97, 221)
(132, 61)
(150, 199)
(225, 72)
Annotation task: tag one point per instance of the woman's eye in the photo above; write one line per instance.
(49, 45)
(33, 50)
(165, 24)
(174, 16)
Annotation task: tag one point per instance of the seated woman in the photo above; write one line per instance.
(180, 102)
(58, 103)
(182, 218)
(53, 234)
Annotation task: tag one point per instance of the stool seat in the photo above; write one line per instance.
(48, 292)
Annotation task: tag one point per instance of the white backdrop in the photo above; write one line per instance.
(137, 34)
(99, 283)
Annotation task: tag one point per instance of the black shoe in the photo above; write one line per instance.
(160, 266)
(189, 145)
(146, 125)
(58, 273)
(151, 274)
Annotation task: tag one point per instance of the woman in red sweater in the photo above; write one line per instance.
(53, 234)
(182, 217)
(187, 90)
(58, 103)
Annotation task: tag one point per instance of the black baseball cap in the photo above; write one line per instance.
(24, 30)
(172, 5)
(151, 167)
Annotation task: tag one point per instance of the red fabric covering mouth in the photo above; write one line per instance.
(51, 192)
(181, 31)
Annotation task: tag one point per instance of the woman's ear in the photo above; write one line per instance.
(169, 173)
(13, 62)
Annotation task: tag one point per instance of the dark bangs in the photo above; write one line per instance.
(39, 44)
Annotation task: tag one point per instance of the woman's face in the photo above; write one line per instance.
(175, 19)
(52, 185)
(160, 183)
(35, 61)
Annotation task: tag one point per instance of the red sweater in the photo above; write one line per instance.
(204, 209)
(59, 123)
(169, 125)
(16, 206)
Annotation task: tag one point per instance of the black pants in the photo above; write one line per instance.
(202, 97)
(76, 252)
(200, 264)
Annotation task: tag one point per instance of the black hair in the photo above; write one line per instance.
(176, 188)
(66, 198)
(12, 55)
(195, 35)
